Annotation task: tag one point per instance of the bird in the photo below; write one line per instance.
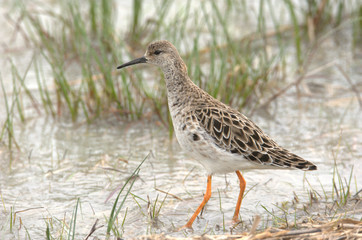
(220, 138)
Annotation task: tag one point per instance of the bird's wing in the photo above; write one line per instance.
(238, 135)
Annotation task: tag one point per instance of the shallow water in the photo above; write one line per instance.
(61, 161)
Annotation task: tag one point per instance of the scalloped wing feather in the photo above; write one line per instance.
(236, 134)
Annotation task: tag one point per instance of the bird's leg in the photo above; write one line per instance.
(204, 201)
(241, 194)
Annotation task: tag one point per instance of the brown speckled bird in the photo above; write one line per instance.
(217, 136)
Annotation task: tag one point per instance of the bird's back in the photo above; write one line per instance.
(207, 128)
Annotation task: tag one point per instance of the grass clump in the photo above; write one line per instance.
(82, 45)
(323, 207)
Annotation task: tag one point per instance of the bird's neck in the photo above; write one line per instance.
(178, 83)
(176, 77)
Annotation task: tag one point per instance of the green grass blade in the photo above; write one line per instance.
(114, 212)
(297, 36)
(72, 232)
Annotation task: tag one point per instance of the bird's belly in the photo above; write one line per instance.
(213, 158)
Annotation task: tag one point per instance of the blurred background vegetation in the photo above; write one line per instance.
(237, 51)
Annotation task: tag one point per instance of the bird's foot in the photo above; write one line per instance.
(186, 227)
(235, 221)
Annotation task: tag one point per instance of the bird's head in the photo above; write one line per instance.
(160, 53)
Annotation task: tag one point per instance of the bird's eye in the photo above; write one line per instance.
(157, 52)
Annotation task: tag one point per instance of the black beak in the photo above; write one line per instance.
(133, 62)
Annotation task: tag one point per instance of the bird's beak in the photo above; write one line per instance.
(133, 62)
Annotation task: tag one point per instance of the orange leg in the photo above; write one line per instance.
(241, 194)
(206, 198)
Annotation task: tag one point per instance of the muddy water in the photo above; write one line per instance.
(60, 162)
